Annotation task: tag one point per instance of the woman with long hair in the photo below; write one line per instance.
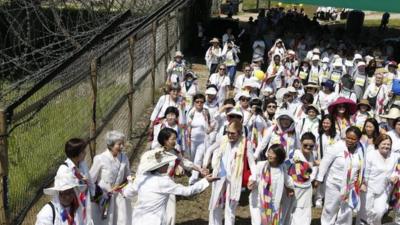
(342, 109)
(370, 132)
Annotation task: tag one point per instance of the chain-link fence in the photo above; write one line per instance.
(106, 87)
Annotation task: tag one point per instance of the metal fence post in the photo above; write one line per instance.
(93, 126)
(131, 85)
(167, 53)
(4, 216)
(154, 56)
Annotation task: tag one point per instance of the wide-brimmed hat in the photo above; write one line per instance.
(312, 85)
(214, 40)
(178, 54)
(291, 52)
(330, 84)
(393, 114)
(337, 63)
(245, 94)
(313, 106)
(316, 51)
(284, 113)
(357, 56)
(235, 112)
(364, 102)
(63, 182)
(351, 105)
(154, 159)
(361, 63)
(291, 89)
(315, 58)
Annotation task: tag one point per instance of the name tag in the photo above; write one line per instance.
(314, 77)
(360, 81)
(335, 77)
(303, 75)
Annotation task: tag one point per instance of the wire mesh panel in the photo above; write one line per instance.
(36, 143)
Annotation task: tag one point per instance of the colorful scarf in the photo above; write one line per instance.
(237, 171)
(69, 214)
(83, 195)
(351, 194)
(270, 215)
(395, 198)
(278, 131)
(299, 170)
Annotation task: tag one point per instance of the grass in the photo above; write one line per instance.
(251, 5)
(36, 147)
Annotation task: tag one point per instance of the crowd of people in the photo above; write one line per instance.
(310, 122)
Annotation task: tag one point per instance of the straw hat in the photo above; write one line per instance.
(214, 40)
(394, 113)
(312, 85)
(291, 89)
(364, 102)
(352, 106)
(178, 54)
(154, 159)
(63, 182)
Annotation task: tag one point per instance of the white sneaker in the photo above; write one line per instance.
(318, 204)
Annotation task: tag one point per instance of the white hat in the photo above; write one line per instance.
(291, 89)
(357, 56)
(368, 58)
(394, 113)
(316, 51)
(211, 91)
(267, 91)
(338, 63)
(178, 54)
(252, 82)
(348, 63)
(284, 112)
(291, 52)
(63, 182)
(214, 40)
(154, 159)
(191, 73)
(361, 63)
(245, 94)
(325, 60)
(315, 58)
(235, 111)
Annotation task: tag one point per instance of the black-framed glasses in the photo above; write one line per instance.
(199, 102)
(272, 106)
(222, 69)
(244, 99)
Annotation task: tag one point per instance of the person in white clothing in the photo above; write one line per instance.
(213, 55)
(169, 120)
(165, 101)
(110, 171)
(277, 48)
(243, 99)
(315, 70)
(326, 96)
(176, 68)
(154, 187)
(242, 78)
(257, 125)
(268, 184)
(212, 106)
(231, 162)
(63, 208)
(309, 123)
(221, 81)
(258, 47)
(276, 70)
(395, 135)
(379, 177)
(370, 132)
(199, 127)
(302, 168)
(230, 59)
(189, 87)
(377, 94)
(341, 169)
(75, 164)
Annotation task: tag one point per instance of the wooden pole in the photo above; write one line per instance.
(4, 217)
(93, 126)
(178, 27)
(167, 53)
(154, 56)
(131, 85)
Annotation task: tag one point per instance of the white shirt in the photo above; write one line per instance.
(395, 141)
(378, 171)
(221, 82)
(153, 192)
(324, 100)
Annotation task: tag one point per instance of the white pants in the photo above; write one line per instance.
(197, 151)
(217, 214)
(362, 214)
(300, 212)
(255, 210)
(335, 212)
(376, 207)
(171, 210)
(320, 192)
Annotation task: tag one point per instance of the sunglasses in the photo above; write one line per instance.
(308, 146)
(247, 70)
(221, 68)
(199, 102)
(244, 99)
(272, 106)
